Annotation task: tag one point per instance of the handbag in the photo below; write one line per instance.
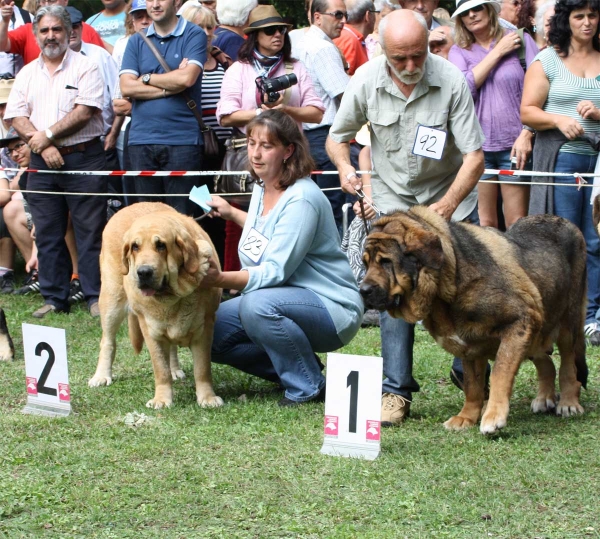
(236, 158)
(211, 142)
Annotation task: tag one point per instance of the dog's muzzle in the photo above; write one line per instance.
(146, 280)
(374, 297)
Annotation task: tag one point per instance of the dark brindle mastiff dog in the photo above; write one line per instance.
(487, 295)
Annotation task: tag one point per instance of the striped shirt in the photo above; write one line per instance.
(566, 91)
(326, 69)
(211, 93)
(46, 99)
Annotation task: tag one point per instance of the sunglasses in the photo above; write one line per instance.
(475, 9)
(271, 30)
(339, 15)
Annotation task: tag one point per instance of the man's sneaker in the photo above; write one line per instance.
(592, 332)
(44, 310)
(31, 285)
(75, 292)
(7, 282)
(394, 409)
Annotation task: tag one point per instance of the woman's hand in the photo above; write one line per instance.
(275, 104)
(587, 110)
(220, 208)
(509, 43)
(569, 127)
(522, 148)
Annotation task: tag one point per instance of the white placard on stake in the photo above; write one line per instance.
(46, 371)
(352, 426)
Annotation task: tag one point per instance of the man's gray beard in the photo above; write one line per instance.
(406, 77)
(54, 51)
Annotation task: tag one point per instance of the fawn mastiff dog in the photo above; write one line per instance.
(486, 295)
(152, 262)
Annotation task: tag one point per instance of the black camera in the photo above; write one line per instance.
(272, 87)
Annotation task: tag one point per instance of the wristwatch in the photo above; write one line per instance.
(146, 78)
(258, 111)
(49, 134)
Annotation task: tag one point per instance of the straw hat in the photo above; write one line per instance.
(463, 6)
(263, 17)
(5, 88)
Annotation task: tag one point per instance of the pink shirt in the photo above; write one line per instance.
(238, 91)
(45, 99)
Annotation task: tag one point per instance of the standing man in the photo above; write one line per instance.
(110, 22)
(233, 18)
(438, 37)
(55, 106)
(23, 40)
(165, 134)
(326, 68)
(398, 92)
(359, 24)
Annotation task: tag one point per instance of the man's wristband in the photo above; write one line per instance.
(530, 129)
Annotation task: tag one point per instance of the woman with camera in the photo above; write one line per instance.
(561, 100)
(488, 57)
(265, 55)
(298, 293)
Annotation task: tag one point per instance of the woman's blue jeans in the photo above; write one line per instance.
(273, 333)
(574, 204)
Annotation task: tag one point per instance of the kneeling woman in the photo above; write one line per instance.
(298, 293)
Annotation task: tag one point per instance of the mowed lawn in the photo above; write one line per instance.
(253, 470)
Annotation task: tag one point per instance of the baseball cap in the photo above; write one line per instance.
(138, 5)
(10, 135)
(75, 14)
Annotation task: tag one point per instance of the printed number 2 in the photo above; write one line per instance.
(42, 388)
(352, 382)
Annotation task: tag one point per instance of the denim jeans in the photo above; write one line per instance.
(273, 333)
(159, 157)
(574, 204)
(397, 340)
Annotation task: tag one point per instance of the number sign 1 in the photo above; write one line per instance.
(352, 426)
(46, 371)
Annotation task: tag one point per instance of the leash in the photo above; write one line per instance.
(362, 198)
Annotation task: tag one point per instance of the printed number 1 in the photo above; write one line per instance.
(352, 382)
(42, 388)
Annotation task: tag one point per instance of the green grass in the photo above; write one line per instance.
(253, 470)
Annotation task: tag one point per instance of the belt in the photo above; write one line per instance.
(77, 148)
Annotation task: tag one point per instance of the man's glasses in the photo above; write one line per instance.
(475, 9)
(16, 148)
(271, 30)
(373, 11)
(339, 15)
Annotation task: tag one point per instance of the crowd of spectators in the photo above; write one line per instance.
(94, 96)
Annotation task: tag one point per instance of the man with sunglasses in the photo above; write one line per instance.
(400, 93)
(360, 22)
(326, 69)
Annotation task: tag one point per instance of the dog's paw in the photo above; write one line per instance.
(100, 380)
(157, 404)
(211, 401)
(459, 423)
(542, 405)
(491, 425)
(566, 409)
(177, 374)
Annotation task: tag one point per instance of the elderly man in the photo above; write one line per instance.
(359, 24)
(23, 41)
(326, 68)
(440, 40)
(55, 106)
(164, 133)
(399, 93)
(233, 18)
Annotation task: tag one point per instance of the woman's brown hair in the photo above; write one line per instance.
(464, 38)
(283, 130)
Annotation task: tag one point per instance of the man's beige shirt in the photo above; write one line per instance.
(441, 100)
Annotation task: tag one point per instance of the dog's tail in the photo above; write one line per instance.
(135, 333)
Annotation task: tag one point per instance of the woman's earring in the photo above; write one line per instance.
(284, 161)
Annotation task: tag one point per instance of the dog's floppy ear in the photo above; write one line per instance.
(596, 212)
(425, 247)
(189, 250)
(125, 255)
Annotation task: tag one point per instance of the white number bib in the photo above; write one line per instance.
(429, 142)
(254, 245)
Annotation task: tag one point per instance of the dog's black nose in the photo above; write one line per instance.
(366, 290)
(145, 273)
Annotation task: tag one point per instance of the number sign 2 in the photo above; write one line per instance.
(352, 426)
(46, 371)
